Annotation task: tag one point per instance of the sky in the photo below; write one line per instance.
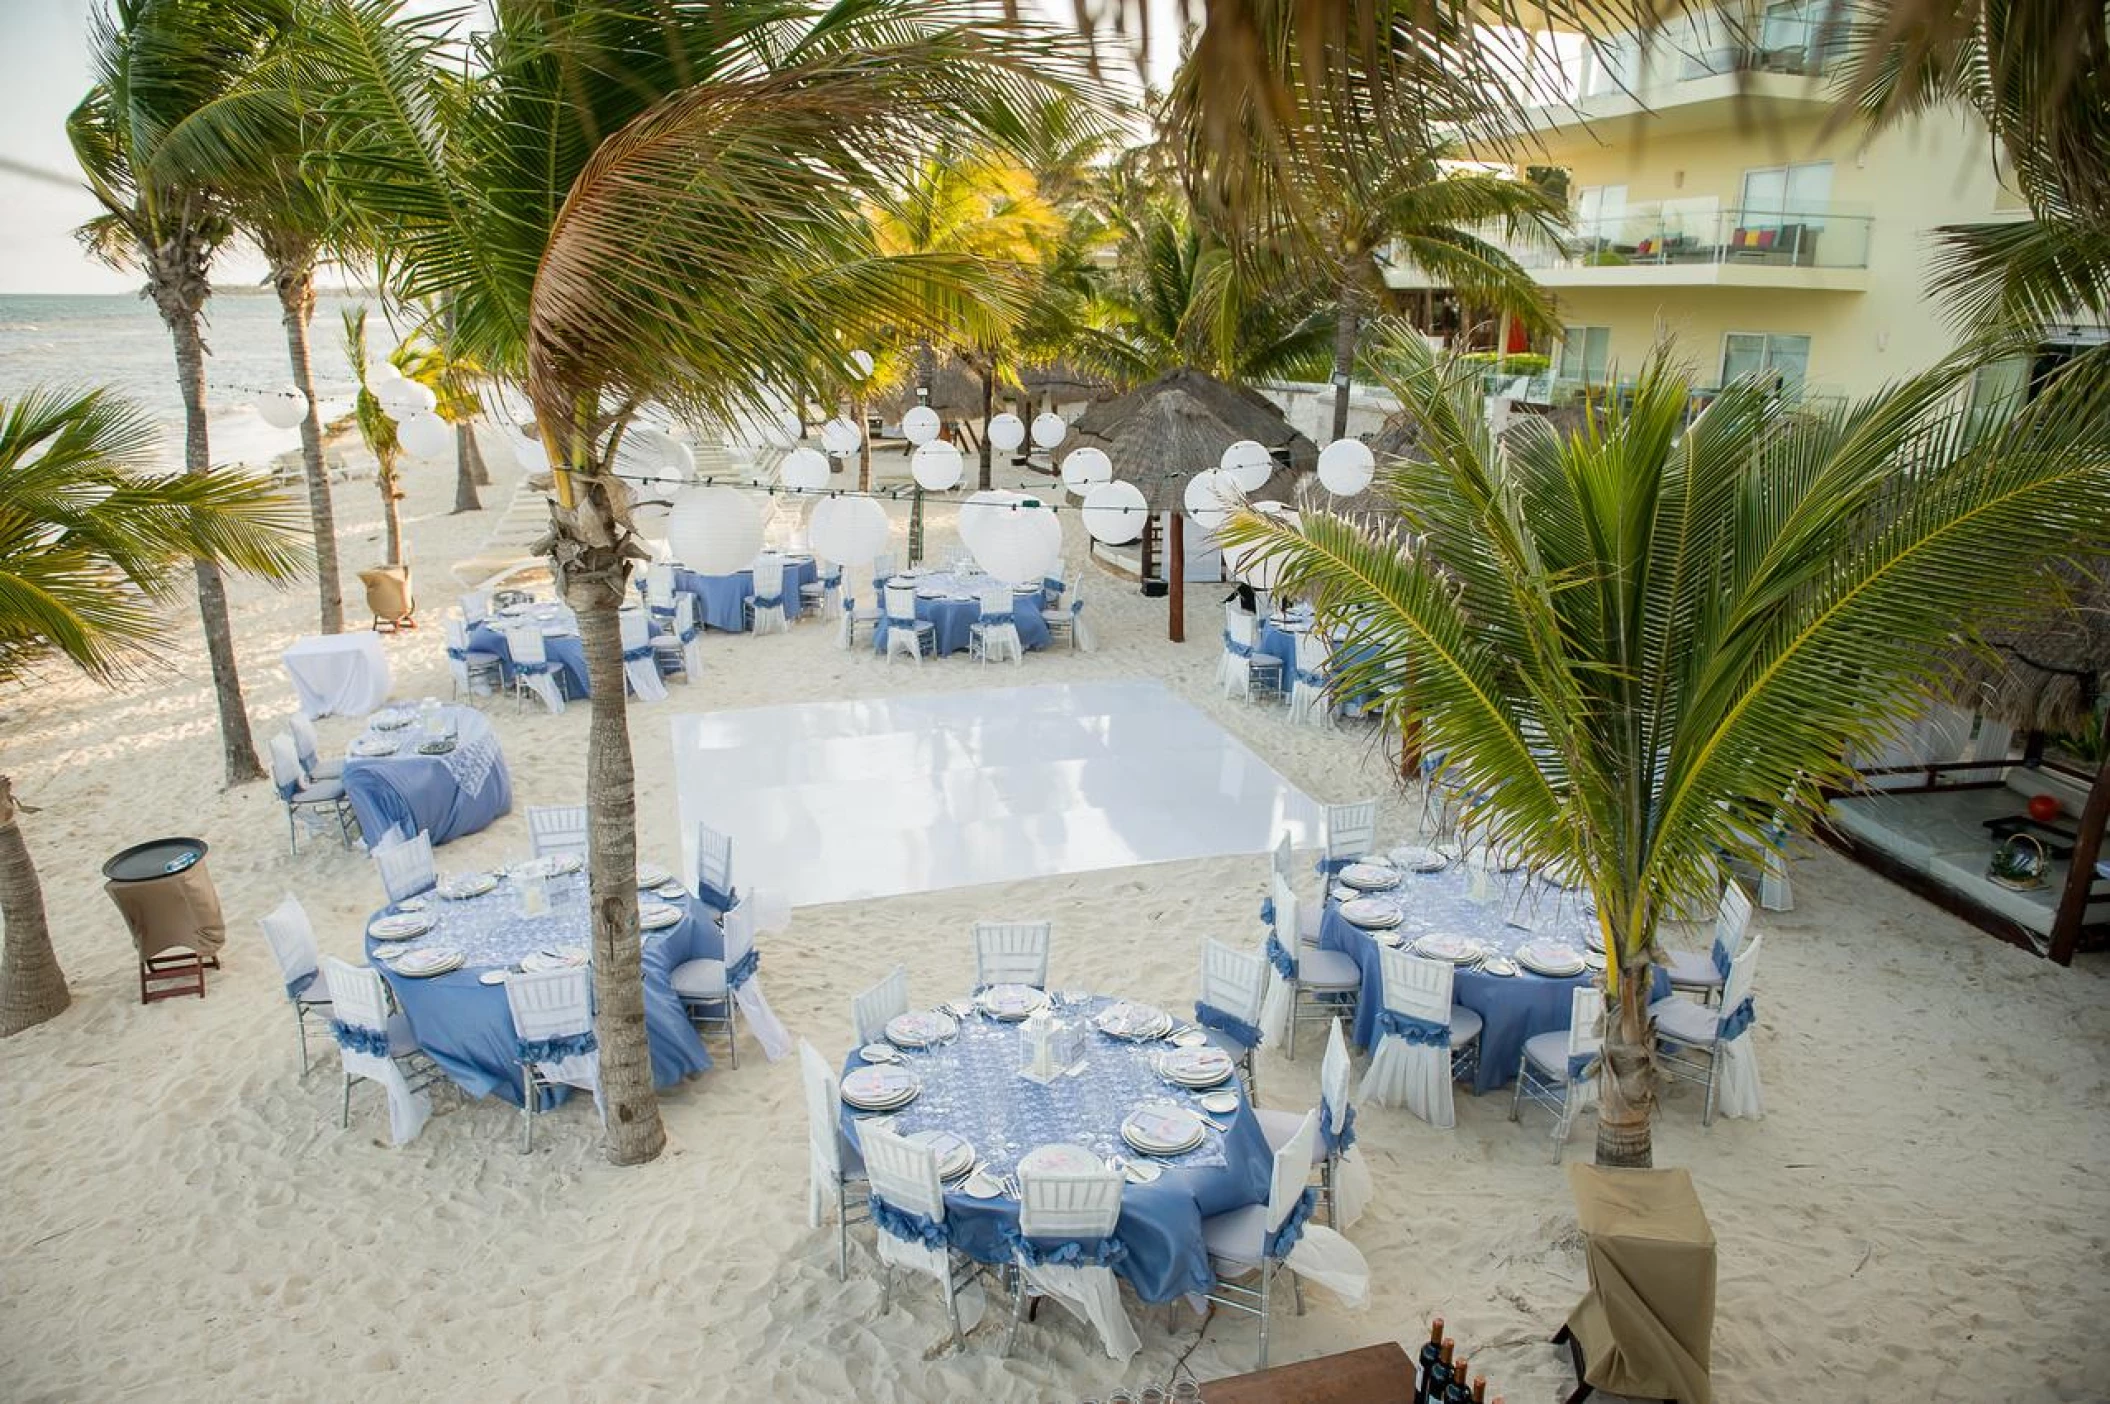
(43, 74)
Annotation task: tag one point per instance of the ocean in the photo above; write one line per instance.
(119, 341)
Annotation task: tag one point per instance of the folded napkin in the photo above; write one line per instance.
(1167, 1128)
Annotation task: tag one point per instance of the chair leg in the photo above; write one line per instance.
(842, 1231)
(1296, 1290)
(344, 1116)
(1327, 1178)
(300, 1022)
(1267, 1273)
(527, 1108)
(732, 1029)
(952, 1306)
(1018, 1306)
(1567, 1119)
(1714, 1068)
(1516, 1091)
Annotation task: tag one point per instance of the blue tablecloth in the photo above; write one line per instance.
(721, 599)
(447, 796)
(565, 650)
(972, 1088)
(953, 619)
(1512, 1008)
(1282, 643)
(465, 1024)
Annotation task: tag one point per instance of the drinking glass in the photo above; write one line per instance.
(1186, 1391)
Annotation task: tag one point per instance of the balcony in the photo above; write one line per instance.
(1698, 243)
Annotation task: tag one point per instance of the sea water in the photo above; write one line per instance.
(119, 341)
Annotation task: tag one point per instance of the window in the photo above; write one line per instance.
(1586, 354)
(1781, 195)
(1612, 67)
(1800, 36)
(1599, 209)
(1780, 361)
(1998, 390)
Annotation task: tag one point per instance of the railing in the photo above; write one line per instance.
(1699, 232)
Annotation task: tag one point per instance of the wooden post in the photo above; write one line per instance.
(2080, 873)
(1176, 580)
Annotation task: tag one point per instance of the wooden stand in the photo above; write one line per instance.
(174, 974)
(1379, 1374)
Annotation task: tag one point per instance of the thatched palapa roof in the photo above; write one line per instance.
(2047, 677)
(1161, 434)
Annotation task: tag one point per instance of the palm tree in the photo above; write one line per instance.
(1647, 641)
(377, 427)
(92, 542)
(610, 153)
(156, 65)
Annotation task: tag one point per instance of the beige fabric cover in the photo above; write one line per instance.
(1647, 1322)
(165, 913)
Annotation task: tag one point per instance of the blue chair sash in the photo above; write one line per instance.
(1285, 964)
(1421, 1033)
(288, 790)
(1736, 1021)
(910, 1228)
(665, 611)
(535, 669)
(1329, 867)
(308, 987)
(1336, 1142)
(743, 969)
(1235, 648)
(711, 897)
(1051, 585)
(1064, 1252)
(1721, 958)
(459, 655)
(1580, 1066)
(1283, 1239)
(638, 654)
(775, 601)
(359, 1038)
(1317, 680)
(1227, 1023)
(691, 634)
(997, 621)
(1267, 911)
(552, 1050)
(832, 580)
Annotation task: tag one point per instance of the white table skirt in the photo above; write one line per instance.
(345, 674)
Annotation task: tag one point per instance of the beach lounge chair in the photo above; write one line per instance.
(389, 597)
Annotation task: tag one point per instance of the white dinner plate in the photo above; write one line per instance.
(1189, 1038)
(652, 875)
(1011, 1003)
(1130, 1020)
(955, 1154)
(463, 886)
(1456, 949)
(419, 965)
(1060, 1159)
(1370, 913)
(493, 977)
(389, 950)
(919, 1028)
(1419, 858)
(400, 927)
(1195, 1067)
(1369, 877)
(880, 1088)
(879, 1053)
(655, 916)
(980, 1186)
(1222, 1103)
(1163, 1130)
(371, 746)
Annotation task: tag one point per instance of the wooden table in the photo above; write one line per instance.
(1378, 1374)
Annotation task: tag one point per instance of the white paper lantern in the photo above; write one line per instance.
(841, 437)
(1006, 432)
(1249, 464)
(1248, 565)
(530, 454)
(283, 409)
(850, 531)
(1114, 513)
(425, 435)
(981, 509)
(805, 470)
(1020, 544)
(681, 459)
(715, 530)
(1209, 497)
(920, 425)
(861, 361)
(937, 465)
(1049, 430)
(382, 372)
(394, 395)
(1085, 469)
(788, 430)
(1346, 467)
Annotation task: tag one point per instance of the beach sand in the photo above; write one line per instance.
(1920, 1216)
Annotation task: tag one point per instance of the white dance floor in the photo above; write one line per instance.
(831, 801)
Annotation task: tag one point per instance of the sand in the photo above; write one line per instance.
(1920, 1216)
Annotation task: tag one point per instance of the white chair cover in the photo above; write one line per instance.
(557, 828)
(1309, 704)
(465, 682)
(904, 1174)
(531, 665)
(1351, 830)
(824, 1146)
(769, 585)
(1417, 1075)
(872, 1010)
(1352, 1189)
(1736, 1084)
(714, 861)
(995, 641)
(1070, 1206)
(1242, 636)
(690, 632)
(768, 1029)
(558, 1004)
(307, 744)
(1234, 981)
(1321, 1255)
(406, 866)
(292, 939)
(904, 631)
(359, 999)
(476, 607)
(659, 588)
(1281, 999)
(640, 669)
(1012, 952)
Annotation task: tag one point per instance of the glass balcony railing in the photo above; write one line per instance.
(1680, 233)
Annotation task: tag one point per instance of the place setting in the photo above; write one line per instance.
(920, 1029)
(880, 1087)
(461, 887)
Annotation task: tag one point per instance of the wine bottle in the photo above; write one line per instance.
(1439, 1377)
(1458, 1391)
(1428, 1359)
(1480, 1390)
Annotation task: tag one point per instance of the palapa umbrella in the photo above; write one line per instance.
(1159, 435)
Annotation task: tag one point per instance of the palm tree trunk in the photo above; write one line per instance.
(1626, 1083)
(1348, 321)
(295, 282)
(988, 413)
(478, 469)
(179, 289)
(593, 565)
(32, 987)
(465, 456)
(864, 446)
(391, 507)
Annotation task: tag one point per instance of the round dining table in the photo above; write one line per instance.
(395, 781)
(560, 642)
(972, 1087)
(721, 600)
(1512, 1008)
(952, 604)
(465, 1025)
